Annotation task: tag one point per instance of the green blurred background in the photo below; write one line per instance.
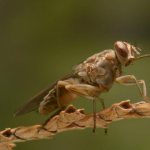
(40, 41)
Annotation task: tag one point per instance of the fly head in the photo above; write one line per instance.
(125, 52)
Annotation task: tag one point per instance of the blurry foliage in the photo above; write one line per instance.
(40, 41)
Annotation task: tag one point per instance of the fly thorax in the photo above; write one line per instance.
(105, 77)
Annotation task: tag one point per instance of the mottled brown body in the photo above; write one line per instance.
(100, 70)
(89, 79)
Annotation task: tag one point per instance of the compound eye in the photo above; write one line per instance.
(121, 49)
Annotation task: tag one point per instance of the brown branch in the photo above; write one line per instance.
(72, 119)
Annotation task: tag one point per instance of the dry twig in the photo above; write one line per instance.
(72, 119)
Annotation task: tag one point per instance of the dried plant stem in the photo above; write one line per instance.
(72, 119)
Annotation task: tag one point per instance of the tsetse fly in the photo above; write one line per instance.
(89, 79)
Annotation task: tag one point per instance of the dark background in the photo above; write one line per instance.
(40, 41)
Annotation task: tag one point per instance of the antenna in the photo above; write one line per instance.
(142, 56)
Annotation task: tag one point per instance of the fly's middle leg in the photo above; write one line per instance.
(87, 91)
(94, 115)
(84, 90)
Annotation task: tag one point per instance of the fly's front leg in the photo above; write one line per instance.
(131, 80)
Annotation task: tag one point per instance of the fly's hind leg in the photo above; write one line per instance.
(131, 80)
(62, 84)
